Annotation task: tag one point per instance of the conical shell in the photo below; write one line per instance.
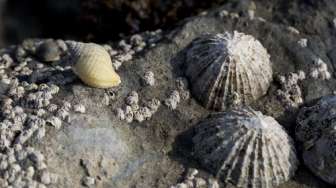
(93, 65)
(245, 148)
(316, 130)
(222, 65)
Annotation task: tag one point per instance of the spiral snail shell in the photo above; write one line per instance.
(93, 65)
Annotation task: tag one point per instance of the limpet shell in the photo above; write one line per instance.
(219, 65)
(316, 130)
(245, 148)
(93, 65)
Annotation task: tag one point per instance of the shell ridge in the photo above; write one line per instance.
(245, 166)
(233, 158)
(282, 173)
(212, 99)
(275, 179)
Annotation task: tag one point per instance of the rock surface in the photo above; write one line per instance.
(98, 148)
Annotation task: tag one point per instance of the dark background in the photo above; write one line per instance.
(105, 20)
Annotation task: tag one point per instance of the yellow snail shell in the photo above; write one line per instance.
(93, 65)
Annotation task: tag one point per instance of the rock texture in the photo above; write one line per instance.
(148, 153)
(316, 131)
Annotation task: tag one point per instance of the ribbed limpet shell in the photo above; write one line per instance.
(221, 65)
(93, 65)
(245, 148)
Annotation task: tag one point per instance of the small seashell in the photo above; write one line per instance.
(92, 64)
(316, 131)
(48, 51)
(246, 148)
(219, 65)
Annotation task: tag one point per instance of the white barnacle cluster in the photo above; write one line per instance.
(29, 63)
(290, 92)
(192, 181)
(132, 111)
(33, 174)
(319, 70)
(179, 94)
(126, 49)
(27, 107)
(24, 117)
